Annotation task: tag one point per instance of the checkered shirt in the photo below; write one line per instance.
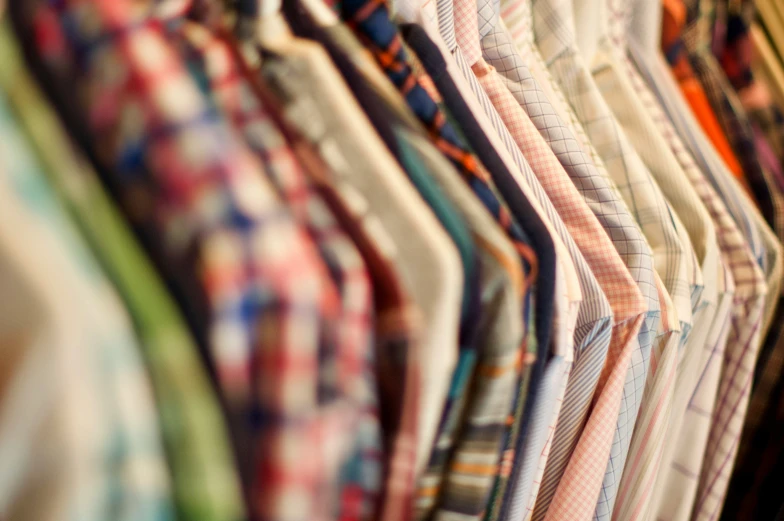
(211, 203)
(590, 337)
(234, 94)
(556, 41)
(737, 247)
(497, 47)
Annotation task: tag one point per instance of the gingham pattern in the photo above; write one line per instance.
(262, 276)
(500, 275)
(724, 100)
(205, 481)
(653, 420)
(596, 191)
(593, 328)
(647, 447)
(462, 497)
(93, 426)
(593, 337)
(557, 44)
(745, 337)
(648, 129)
(615, 280)
(496, 91)
(636, 130)
(518, 19)
(543, 159)
(746, 312)
(701, 148)
(237, 100)
(518, 16)
(734, 390)
(592, 355)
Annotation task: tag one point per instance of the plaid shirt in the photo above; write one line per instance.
(449, 74)
(593, 328)
(210, 201)
(732, 42)
(554, 30)
(83, 407)
(732, 221)
(498, 48)
(204, 478)
(584, 167)
(234, 93)
(746, 495)
(727, 422)
(656, 437)
(359, 66)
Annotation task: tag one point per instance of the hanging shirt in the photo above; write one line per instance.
(685, 467)
(79, 417)
(205, 482)
(260, 274)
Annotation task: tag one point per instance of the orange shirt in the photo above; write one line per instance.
(673, 20)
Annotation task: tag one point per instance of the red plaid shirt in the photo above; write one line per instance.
(349, 371)
(270, 298)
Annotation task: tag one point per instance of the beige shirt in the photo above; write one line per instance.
(429, 262)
